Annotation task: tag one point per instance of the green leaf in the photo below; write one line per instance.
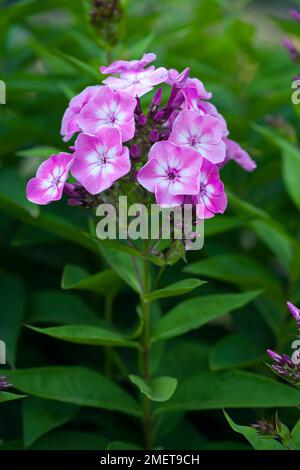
(13, 191)
(126, 266)
(85, 334)
(42, 152)
(234, 351)
(70, 440)
(76, 385)
(291, 173)
(160, 388)
(173, 290)
(218, 225)
(295, 437)
(278, 241)
(236, 269)
(194, 313)
(105, 282)
(258, 442)
(12, 310)
(234, 389)
(41, 416)
(51, 306)
(7, 396)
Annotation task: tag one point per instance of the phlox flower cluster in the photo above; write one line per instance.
(173, 152)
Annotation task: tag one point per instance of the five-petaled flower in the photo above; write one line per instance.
(171, 173)
(100, 160)
(134, 78)
(201, 133)
(50, 179)
(109, 108)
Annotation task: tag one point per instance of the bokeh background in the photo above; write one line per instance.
(49, 52)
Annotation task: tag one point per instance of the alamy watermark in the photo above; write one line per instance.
(2, 92)
(2, 352)
(296, 354)
(296, 93)
(137, 221)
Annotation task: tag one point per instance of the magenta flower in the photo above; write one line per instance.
(201, 133)
(137, 83)
(69, 123)
(100, 160)
(240, 156)
(109, 108)
(50, 179)
(134, 78)
(171, 173)
(211, 198)
(120, 66)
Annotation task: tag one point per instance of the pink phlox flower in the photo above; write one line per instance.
(100, 160)
(202, 133)
(50, 179)
(69, 123)
(240, 156)
(138, 83)
(211, 198)
(109, 108)
(133, 77)
(120, 66)
(170, 173)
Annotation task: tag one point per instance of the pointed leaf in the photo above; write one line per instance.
(85, 334)
(104, 282)
(160, 388)
(176, 289)
(194, 313)
(77, 385)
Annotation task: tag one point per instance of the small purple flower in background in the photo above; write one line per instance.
(109, 108)
(291, 48)
(295, 14)
(4, 384)
(171, 173)
(100, 161)
(295, 312)
(50, 179)
(201, 133)
(69, 123)
(211, 198)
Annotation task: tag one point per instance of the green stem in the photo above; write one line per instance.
(148, 418)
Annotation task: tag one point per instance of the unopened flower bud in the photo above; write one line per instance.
(153, 136)
(141, 120)
(156, 100)
(134, 151)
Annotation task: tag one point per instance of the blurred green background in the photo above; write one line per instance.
(49, 52)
